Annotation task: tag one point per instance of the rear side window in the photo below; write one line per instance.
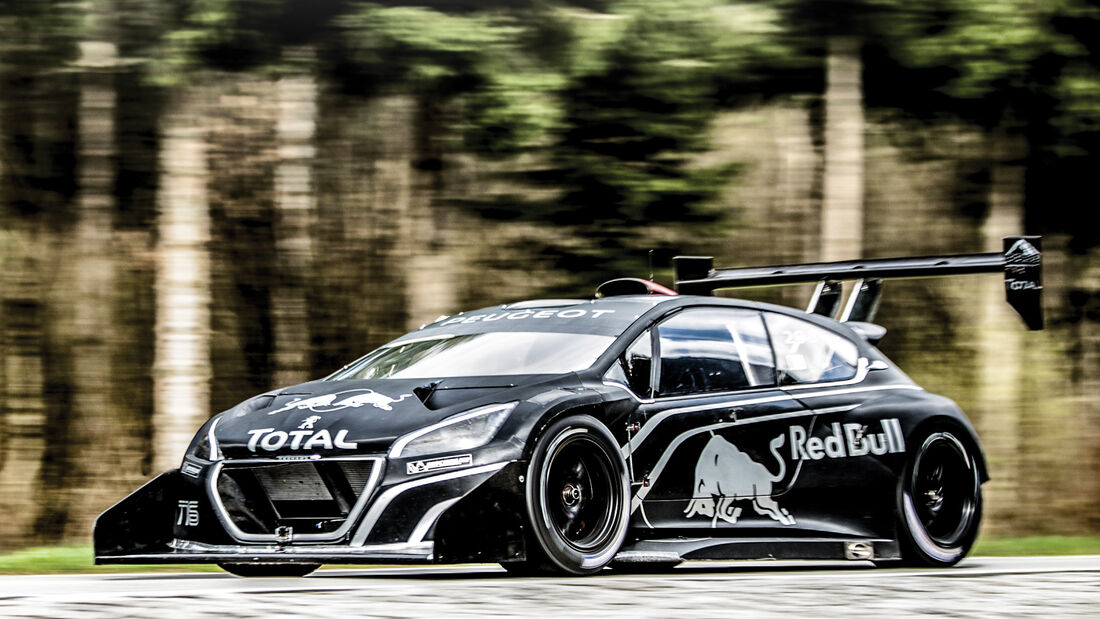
(806, 353)
(713, 350)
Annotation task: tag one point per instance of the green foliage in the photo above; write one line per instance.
(418, 49)
(619, 156)
(77, 559)
(36, 33)
(624, 159)
(990, 45)
(236, 35)
(1031, 67)
(1039, 545)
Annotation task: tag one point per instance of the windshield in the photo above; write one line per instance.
(480, 354)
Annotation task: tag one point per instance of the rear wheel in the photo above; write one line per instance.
(578, 497)
(940, 502)
(249, 570)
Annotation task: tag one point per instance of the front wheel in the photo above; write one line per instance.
(250, 570)
(940, 502)
(578, 498)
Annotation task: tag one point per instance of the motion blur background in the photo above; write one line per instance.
(201, 200)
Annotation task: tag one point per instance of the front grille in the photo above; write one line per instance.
(316, 498)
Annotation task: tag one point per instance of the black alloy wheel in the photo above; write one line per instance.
(578, 497)
(256, 570)
(940, 502)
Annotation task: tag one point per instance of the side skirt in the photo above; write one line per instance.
(192, 552)
(822, 548)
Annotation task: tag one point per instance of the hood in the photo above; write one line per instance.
(345, 417)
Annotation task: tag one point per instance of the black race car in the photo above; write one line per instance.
(635, 430)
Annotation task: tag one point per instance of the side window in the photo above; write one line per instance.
(634, 366)
(806, 353)
(711, 350)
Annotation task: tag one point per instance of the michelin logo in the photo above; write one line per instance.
(450, 462)
(847, 441)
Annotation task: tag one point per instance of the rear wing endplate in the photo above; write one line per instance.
(1021, 263)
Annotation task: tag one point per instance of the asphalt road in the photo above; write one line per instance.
(978, 587)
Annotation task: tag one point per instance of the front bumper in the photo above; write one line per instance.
(179, 518)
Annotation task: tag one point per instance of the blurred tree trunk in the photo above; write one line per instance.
(842, 199)
(294, 215)
(1000, 336)
(431, 282)
(182, 357)
(37, 109)
(243, 154)
(24, 407)
(361, 172)
(1083, 361)
(137, 123)
(93, 427)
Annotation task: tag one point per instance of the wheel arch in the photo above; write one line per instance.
(963, 430)
(922, 413)
(599, 411)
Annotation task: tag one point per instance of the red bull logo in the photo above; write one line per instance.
(847, 441)
(726, 477)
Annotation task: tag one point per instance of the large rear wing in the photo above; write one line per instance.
(1021, 263)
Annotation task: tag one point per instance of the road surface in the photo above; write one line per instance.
(978, 587)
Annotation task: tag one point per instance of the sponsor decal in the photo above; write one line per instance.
(187, 513)
(847, 441)
(435, 464)
(307, 423)
(1022, 254)
(339, 401)
(524, 315)
(728, 475)
(270, 439)
(191, 469)
(1022, 266)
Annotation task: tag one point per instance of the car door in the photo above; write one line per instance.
(843, 452)
(709, 442)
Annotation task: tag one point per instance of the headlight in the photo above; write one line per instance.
(463, 431)
(205, 444)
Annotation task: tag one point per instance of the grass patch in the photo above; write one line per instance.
(1038, 545)
(78, 559)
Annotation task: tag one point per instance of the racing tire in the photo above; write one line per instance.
(578, 499)
(939, 502)
(258, 570)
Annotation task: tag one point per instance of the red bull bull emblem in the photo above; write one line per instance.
(331, 402)
(728, 474)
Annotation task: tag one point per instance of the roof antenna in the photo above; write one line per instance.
(651, 265)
